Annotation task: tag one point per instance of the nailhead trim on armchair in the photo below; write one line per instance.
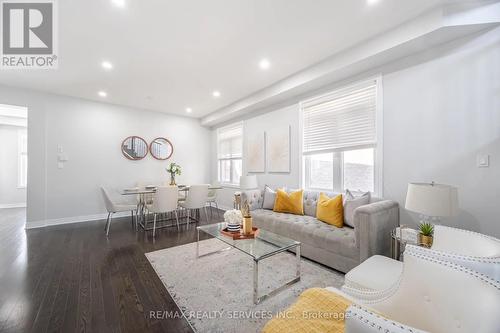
(369, 317)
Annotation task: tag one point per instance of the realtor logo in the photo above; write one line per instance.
(28, 34)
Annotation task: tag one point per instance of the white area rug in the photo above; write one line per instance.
(215, 292)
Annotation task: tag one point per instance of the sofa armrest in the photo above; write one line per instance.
(361, 320)
(372, 225)
(255, 198)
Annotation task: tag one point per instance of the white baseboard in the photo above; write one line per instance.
(73, 219)
(79, 219)
(14, 205)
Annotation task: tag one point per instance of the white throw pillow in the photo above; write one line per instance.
(351, 203)
(269, 198)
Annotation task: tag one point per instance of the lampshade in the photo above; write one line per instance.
(248, 182)
(432, 199)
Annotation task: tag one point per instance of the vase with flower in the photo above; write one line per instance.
(173, 169)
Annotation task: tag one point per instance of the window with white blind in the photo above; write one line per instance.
(229, 153)
(340, 142)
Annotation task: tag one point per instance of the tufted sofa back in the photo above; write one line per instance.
(255, 199)
(311, 201)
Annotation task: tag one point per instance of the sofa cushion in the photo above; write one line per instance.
(269, 198)
(351, 203)
(289, 203)
(330, 210)
(308, 230)
(311, 201)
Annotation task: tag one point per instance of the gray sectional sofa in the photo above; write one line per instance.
(339, 248)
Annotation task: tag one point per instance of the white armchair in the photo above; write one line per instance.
(467, 248)
(362, 320)
(431, 295)
(476, 251)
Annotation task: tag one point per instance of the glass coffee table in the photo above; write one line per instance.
(266, 244)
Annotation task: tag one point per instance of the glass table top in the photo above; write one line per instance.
(265, 244)
(405, 235)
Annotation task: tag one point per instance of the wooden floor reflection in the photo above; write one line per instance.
(72, 278)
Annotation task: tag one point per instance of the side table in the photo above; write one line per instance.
(401, 236)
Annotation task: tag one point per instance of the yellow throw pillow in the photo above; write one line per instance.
(289, 203)
(330, 210)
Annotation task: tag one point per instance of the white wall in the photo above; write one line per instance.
(441, 110)
(10, 194)
(438, 117)
(288, 116)
(90, 134)
(266, 122)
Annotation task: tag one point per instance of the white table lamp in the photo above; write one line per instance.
(248, 182)
(431, 199)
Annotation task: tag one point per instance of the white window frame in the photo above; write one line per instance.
(22, 181)
(232, 182)
(338, 176)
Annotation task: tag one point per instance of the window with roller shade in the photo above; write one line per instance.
(229, 153)
(340, 143)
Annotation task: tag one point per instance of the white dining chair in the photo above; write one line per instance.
(196, 199)
(114, 206)
(148, 198)
(212, 199)
(164, 201)
(182, 194)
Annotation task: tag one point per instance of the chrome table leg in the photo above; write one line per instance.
(256, 282)
(297, 255)
(197, 243)
(256, 298)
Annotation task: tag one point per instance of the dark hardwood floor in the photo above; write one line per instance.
(72, 278)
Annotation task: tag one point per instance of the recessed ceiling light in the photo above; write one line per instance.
(102, 93)
(264, 64)
(118, 3)
(216, 93)
(371, 2)
(107, 65)
(189, 110)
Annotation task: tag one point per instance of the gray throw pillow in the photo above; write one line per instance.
(269, 198)
(351, 203)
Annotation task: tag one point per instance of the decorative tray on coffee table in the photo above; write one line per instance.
(239, 235)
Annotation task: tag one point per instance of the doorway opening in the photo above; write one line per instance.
(13, 164)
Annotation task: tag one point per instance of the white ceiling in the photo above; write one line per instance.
(169, 55)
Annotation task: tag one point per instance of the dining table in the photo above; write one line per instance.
(142, 192)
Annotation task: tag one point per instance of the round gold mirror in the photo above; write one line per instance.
(161, 149)
(134, 148)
